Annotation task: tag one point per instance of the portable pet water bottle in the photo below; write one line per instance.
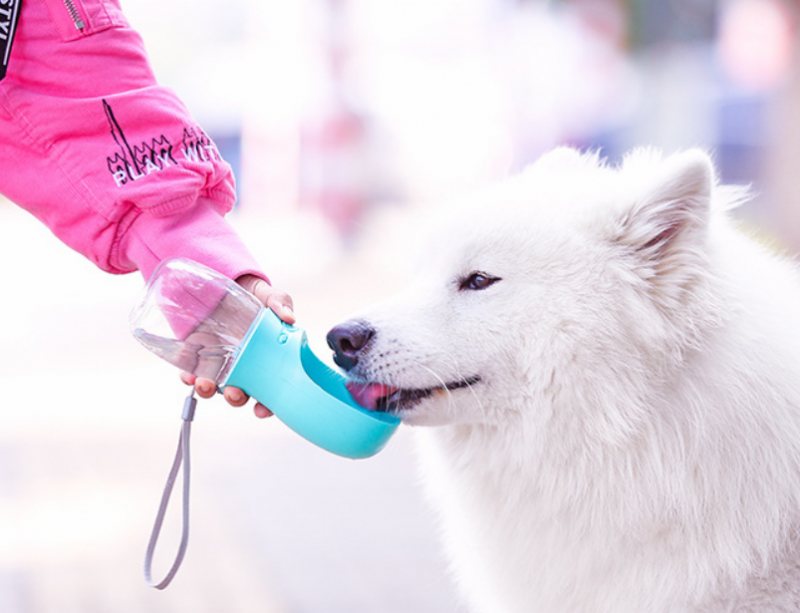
(204, 323)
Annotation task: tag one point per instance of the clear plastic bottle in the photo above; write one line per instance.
(194, 318)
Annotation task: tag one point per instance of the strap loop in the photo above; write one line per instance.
(182, 457)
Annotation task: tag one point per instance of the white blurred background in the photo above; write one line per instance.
(341, 118)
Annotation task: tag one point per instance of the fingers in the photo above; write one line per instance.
(205, 388)
(235, 396)
(261, 411)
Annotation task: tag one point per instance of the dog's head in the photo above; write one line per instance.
(564, 281)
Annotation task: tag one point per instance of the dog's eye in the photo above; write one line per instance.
(477, 281)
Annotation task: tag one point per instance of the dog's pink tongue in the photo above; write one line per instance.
(368, 394)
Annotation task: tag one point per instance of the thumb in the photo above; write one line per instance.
(280, 302)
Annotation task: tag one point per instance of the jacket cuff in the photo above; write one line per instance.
(199, 233)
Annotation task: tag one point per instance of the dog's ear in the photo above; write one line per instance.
(666, 226)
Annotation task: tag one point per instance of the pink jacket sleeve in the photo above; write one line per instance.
(112, 162)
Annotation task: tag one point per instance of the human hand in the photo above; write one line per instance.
(281, 303)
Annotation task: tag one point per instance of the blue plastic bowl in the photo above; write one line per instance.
(276, 366)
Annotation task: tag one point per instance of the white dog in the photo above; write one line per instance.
(614, 370)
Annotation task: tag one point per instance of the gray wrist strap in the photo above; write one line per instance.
(181, 458)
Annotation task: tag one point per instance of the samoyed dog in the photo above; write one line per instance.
(612, 372)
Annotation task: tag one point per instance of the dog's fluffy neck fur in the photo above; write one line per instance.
(677, 490)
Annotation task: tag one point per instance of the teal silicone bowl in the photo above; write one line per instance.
(277, 367)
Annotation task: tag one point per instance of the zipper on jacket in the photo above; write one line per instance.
(72, 9)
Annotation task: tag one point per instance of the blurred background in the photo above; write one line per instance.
(346, 122)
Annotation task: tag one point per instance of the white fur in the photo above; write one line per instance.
(634, 443)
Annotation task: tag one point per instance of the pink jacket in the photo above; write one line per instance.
(90, 144)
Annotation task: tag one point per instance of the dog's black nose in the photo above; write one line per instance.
(348, 340)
